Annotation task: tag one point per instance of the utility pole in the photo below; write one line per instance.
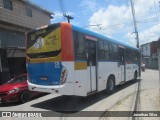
(137, 37)
(159, 64)
(134, 22)
(68, 17)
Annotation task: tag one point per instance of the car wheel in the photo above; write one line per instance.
(25, 96)
(110, 85)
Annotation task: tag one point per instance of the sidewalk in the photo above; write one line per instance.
(149, 95)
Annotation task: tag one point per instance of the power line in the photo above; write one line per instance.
(134, 21)
(147, 20)
(126, 25)
(156, 16)
(131, 21)
(156, 11)
(68, 17)
(62, 7)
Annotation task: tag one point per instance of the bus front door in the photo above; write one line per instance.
(122, 64)
(91, 65)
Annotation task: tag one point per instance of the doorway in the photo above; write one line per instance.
(91, 65)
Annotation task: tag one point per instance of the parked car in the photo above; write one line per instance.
(16, 90)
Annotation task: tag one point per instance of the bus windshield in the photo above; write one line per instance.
(43, 43)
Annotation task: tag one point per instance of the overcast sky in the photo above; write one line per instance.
(114, 15)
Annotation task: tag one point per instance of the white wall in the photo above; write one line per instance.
(146, 51)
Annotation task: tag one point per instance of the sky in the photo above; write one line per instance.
(114, 16)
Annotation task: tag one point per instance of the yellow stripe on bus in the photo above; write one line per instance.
(80, 65)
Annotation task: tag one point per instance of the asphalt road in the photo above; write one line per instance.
(122, 99)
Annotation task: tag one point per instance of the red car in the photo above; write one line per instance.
(16, 90)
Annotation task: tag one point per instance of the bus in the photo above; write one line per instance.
(68, 60)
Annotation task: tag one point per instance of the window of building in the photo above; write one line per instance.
(8, 4)
(28, 12)
(3, 62)
(143, 49)
(146, 47)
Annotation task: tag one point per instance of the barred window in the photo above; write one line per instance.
(8, 4)
(28, 12)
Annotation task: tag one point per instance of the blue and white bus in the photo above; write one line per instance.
(68, 60)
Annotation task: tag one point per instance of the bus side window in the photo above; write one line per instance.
(79, 46)
(129, 56)
(114, 52)
(121, 56)
(135, 57)
(106, 49)
(103, 50)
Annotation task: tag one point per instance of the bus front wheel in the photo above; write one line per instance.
(110, 84)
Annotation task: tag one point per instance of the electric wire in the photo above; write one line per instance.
(157, 18)
(131, 21)
(62, 8)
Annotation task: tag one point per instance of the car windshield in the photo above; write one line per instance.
(18, 79)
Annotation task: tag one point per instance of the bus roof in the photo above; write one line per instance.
(88, 32)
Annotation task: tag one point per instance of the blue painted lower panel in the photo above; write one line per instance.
(51, 71)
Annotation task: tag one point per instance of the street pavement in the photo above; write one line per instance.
(149, 97)
(123, 99)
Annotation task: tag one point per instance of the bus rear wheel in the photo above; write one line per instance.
(110, 85)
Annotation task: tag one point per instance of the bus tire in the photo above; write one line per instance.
(25, 96)
(135, 75)
(110, 84)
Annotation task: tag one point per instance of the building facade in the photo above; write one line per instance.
(150, 54)
(16, 18)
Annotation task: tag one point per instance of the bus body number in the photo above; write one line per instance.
(57, 65)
